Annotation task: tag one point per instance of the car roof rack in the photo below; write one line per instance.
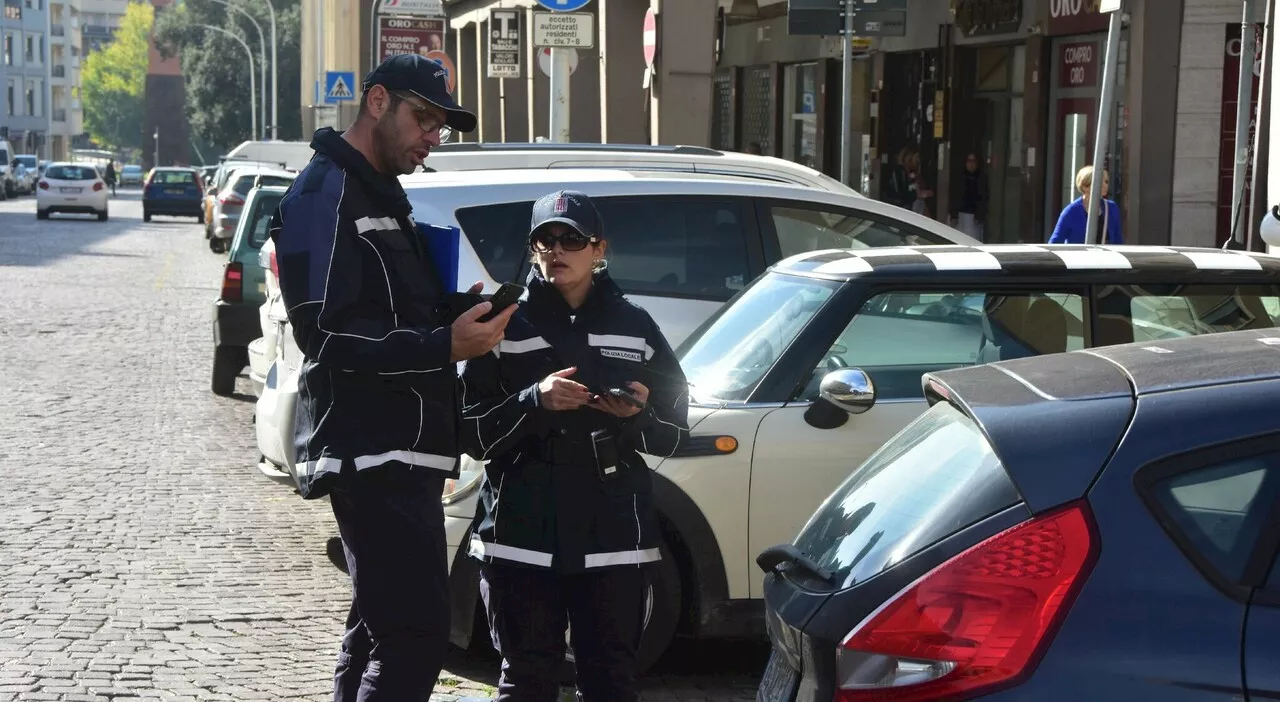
(464, 147)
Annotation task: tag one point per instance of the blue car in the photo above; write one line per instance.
(175, 192)
(1096, 525)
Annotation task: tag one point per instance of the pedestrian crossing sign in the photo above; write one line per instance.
(339, 86)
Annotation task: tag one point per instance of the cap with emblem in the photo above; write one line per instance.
(419, 75)
(568, 207)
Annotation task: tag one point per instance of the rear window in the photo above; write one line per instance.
(242, 184)
(173, 178)
(1152, 312)
(70, 173)
(936, 477)
(499, 234)
(260, 222)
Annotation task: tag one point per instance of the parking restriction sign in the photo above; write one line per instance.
(506, 29)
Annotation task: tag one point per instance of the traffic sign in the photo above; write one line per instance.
(564, 30)
(443, 59)
(826, 17)
(505, 35)
(428, 8)
(563, 5)
(544, 61)
(650, 37)
(339, 86)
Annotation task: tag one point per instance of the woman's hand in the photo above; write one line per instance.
(621, 408)
(557, 393)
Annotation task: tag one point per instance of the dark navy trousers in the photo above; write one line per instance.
(392, 526)
(529, 610)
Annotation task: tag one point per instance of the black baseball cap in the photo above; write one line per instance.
(568, 207)
(419, 75)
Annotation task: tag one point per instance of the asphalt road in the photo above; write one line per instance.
(141, 554)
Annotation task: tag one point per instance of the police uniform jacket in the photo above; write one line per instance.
(544, 502)
(365, 302)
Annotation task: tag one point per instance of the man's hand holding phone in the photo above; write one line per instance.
(622, 404)
(472, 337)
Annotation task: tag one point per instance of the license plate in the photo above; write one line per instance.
(779, 681)
(175, 191)
(70, 190)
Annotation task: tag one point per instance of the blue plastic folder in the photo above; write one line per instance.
(443, 243)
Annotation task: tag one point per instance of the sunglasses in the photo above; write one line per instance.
(545, 241)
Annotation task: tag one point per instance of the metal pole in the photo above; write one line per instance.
(1259, 183)
(846, 109)
(155, 155)
(262, 42)
(253, 89)
(1244, 95)
(502, 100)
(1106, 105)
(275, 74)
(373, 35)
(560, 95)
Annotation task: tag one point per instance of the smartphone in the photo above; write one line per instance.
(621, 394)
(507, 295)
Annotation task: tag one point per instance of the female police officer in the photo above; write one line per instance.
(582, 383)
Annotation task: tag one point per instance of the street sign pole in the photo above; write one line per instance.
(559, 95)
(846, 109)
(1244, 96)
(1106, 104)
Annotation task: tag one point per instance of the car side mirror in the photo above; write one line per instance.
(841, 394)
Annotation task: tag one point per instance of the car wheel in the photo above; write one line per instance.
(102, 216)
(146, 216)
(42, 214)
(200, 217)
(228, 361)
(662, 615)
(215, 245)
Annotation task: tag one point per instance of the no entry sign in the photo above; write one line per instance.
(650, 37)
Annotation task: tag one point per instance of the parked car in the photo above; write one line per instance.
(174, 192)
(235, 312)
(767, 447)
(214, 186)
(131, 174)
(71, 188)
(271, 316)
(680, 244)
(26, 171)
(1085, 526)
(231, 199)
(8, 188)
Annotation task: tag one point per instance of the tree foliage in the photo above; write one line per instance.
(216, 69)
(113, 79)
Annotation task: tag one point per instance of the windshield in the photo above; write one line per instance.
(936, 477)
(28, 161)
(735, 350)
(70, 173)
(4, 158)
(174, 178)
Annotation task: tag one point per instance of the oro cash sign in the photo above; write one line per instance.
(409, 35)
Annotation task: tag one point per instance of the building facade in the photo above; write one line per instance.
(66, 119)
(25, 76)
(613, 98)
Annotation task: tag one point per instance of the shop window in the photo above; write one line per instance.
(800, 141)
(993, 69)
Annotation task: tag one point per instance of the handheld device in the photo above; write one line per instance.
(507, 295)
(620, 393)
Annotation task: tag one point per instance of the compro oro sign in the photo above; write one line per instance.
(564, 30)
(409, 35)
(428, 8)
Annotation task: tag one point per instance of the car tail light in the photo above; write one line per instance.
(44, 185)
(232, 282)
(275, 270)
(98, 186)
(977, 622)
(231, 198)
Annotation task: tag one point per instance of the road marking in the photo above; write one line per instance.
(163, 278)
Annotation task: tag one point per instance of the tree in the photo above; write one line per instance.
(113, 79)
(216, 70)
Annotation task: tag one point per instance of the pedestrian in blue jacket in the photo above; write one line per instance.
(378, 410)
(1074, 220)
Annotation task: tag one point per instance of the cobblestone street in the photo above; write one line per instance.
(142, 556)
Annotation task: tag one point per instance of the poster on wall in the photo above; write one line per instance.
(409, 35)
(1227, 135)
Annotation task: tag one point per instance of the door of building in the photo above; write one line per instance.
(1074, 150)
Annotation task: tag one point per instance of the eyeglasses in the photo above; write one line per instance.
(545, 241)
(427, 121)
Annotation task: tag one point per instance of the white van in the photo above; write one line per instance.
(8, 185)
(294, 155)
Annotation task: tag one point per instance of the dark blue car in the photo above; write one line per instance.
(1096, 525)
(175, 192)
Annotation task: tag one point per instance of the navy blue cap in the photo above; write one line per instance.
(413, 73)
(568, 207)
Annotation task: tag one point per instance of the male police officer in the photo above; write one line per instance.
(378, 412)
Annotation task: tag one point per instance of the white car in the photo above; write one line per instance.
(73, 188)
(680, 245)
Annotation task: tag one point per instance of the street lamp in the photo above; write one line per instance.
(275, 74)
(253, 99)
(262, 65)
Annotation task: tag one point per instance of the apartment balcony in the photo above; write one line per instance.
(60, 115)
(56, 30)
(59, 71)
